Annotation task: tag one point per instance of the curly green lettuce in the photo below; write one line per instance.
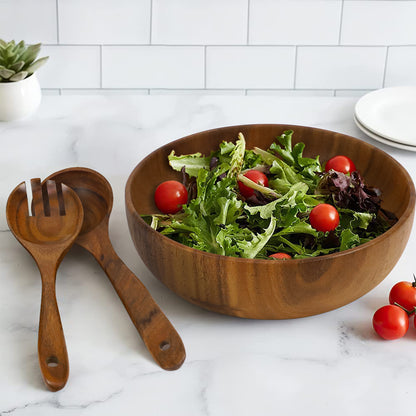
(217, 219)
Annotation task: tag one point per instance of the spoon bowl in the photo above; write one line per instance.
(95, 194)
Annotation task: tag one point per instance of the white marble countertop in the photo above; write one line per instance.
(331, 364)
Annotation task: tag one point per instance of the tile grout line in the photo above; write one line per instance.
(285, 45)
(385, 67)
(57, 22)
(151, 22)
(248, 22)
(101, 66)
(220, 91)
(295, 67)
(209, 89)
(341, 18)
(205, 67)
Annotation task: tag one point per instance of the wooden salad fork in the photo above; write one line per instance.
(47, 232)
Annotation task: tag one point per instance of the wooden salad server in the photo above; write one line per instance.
(47, 235)
(96, 195)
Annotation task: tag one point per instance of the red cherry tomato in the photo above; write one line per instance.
(170, 196)
(257, 177)
(404, 294)
(341, 164)
(281, 256)
(391, 322)
(324, 217)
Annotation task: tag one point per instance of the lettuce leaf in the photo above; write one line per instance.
(193, 163)
(249, 248)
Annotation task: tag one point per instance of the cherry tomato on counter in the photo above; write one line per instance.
(390, 322)
(324, 217)
(257, 177)
(281, 256)
(404, 294)
(340, 163)
(170, 196)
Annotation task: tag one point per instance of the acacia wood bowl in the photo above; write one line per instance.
(266, 289)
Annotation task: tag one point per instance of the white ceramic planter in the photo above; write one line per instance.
(19, 99)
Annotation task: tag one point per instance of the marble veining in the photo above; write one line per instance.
(321, 365)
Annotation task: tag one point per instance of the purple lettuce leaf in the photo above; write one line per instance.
(349, 191)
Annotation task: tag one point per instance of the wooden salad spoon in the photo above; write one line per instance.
(47, 235)
(96, 195)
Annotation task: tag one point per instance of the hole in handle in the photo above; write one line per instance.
(164, 345)
(52, 361)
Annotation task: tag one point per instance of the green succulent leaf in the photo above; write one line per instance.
(19, 76)
(30, 54)
(17, 66)
(36, 65)
(18, 60)
(6, 73)
(20, 46)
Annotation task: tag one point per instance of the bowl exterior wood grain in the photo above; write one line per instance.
(264, 289)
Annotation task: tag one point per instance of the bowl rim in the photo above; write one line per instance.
(409, 210)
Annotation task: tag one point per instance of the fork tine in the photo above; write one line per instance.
(37, 198)
(24, 202)
(26, 188)
(54, 208)
(60, 198)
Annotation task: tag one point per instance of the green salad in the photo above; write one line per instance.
(230, 210)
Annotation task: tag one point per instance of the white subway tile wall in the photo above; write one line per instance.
(379, 23)
(401, 66)
(283, 47)
(153, 66)
(250, 67)
(104, 22)
(33, 21)
(340, 67)
(71, 67)
(199, 22)
(302, 22)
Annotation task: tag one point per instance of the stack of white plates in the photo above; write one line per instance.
(389, 116)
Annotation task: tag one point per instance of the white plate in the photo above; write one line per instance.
(390, 113)
(382, 139)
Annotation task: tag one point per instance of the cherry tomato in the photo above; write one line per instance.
(404, 294)
(391, 322)
(257, 177)
(170, 196)
(281, 256)
(324, 217)
(341, 164)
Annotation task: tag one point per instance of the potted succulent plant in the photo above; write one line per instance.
(20, 93)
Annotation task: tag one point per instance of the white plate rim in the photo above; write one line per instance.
(371, 98)
(383, 139)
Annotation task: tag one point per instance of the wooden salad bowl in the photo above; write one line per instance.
(267, 289)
